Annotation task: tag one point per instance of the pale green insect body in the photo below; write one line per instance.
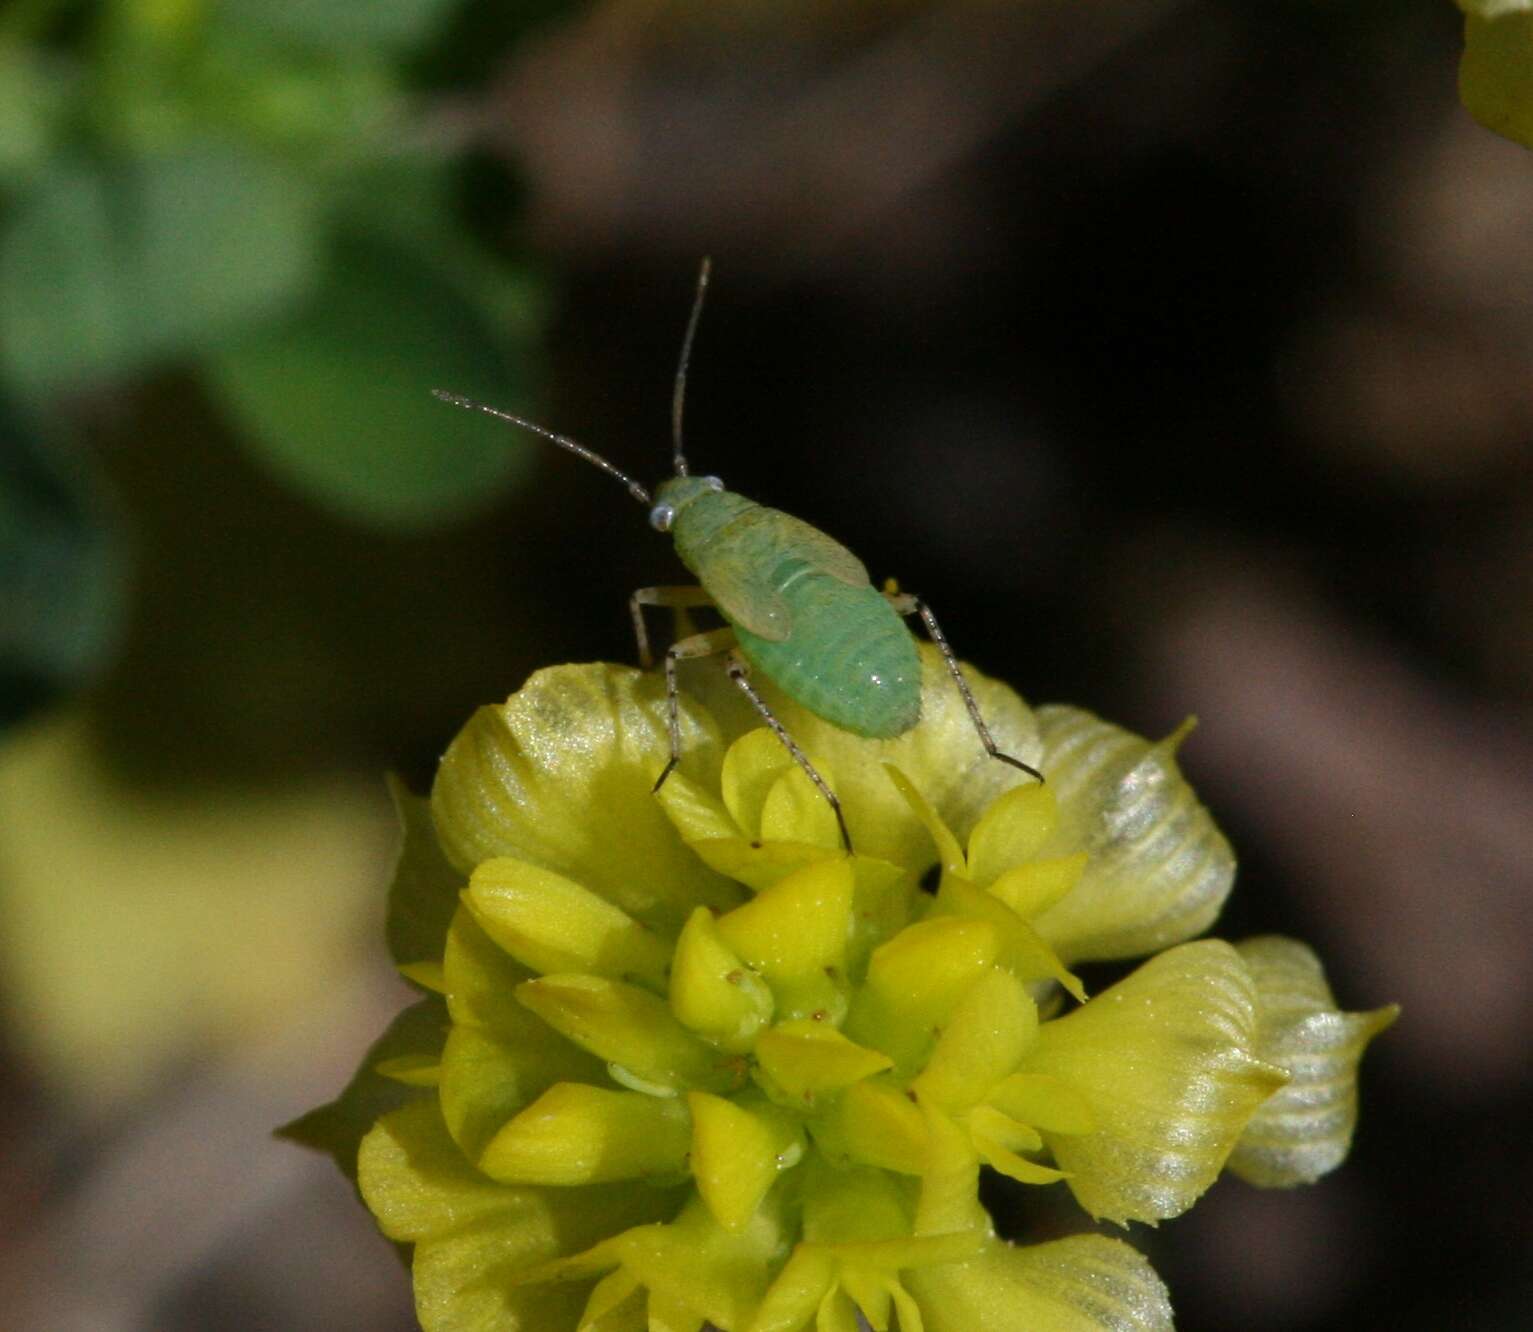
(802, 608)
(799, 606)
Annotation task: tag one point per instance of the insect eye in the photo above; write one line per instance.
(661, 517)
(713, 483)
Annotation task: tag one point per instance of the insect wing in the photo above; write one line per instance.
(746, 586)
(743, 592)
(824, 554)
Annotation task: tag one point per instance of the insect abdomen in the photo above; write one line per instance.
(849, 658)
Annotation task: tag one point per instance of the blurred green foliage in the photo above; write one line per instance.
(262, 193)
(59, 569)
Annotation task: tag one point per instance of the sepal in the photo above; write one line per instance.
(1305, 1130)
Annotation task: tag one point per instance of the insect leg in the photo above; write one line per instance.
(698, 645)
(740, 673)
(906, 604)
(675, 597)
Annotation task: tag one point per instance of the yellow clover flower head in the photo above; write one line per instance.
(683, 1063)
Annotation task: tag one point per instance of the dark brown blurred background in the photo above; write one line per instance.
(1181, 354)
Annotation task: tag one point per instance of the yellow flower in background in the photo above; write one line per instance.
(682, 1062)
(1496, 71)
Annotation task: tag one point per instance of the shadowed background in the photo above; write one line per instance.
(1179, 353)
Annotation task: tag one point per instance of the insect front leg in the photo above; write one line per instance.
(740, 673)
(906, 604)
(698, 645)
(677, 598)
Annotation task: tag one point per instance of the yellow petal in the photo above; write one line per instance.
(577, 1134)
(1087, 1283)
(906, 1309)
(836, 1313)
(949, 853)
(738, 1151)
(905, 1251)
(418, 1184)
(1013, 1166)
(1032, 889)
(804, 1059)
(1023, 951)
(628, 1027)
(914, 981)
(796, 810)
(1010, 832)
(867, 1293)
(1159, 870)
(751, 768)
(421, 1187)
(560, 776)
(665, 1313)
(1167, 1061)
(616, 1304)
(799, 925)
(713, 992)
(551, 924)
(498, 1057)
(757, 864)
(1305, 1129)
(796, 1293)
(874, 1123)
(468, 1281)
(999, 1140)
(1045, 1102)
(1001, 1129)
(949, 1201)
(1495, 78)
(853, 1206)
(694, 811)
(885, 898)
(988, 1032)
(699, 1266)
(942, 756)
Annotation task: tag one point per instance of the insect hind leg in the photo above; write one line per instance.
(698, 645)
(906, 604)
(740, 673)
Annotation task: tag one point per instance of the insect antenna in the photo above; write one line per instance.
(563, 441)
(678, 397)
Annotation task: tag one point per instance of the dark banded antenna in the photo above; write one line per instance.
(563, 441)
(678, 397)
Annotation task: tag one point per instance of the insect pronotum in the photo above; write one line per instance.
(798, 606)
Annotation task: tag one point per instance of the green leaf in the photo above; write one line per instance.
(424, 218)
(424, 894)
(339, 1127)
(338, 400)
(341, 25)
(32, 98)
(1495, 79)
(61, 576)
(107, 269)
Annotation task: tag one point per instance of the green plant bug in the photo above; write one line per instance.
(797, 605)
